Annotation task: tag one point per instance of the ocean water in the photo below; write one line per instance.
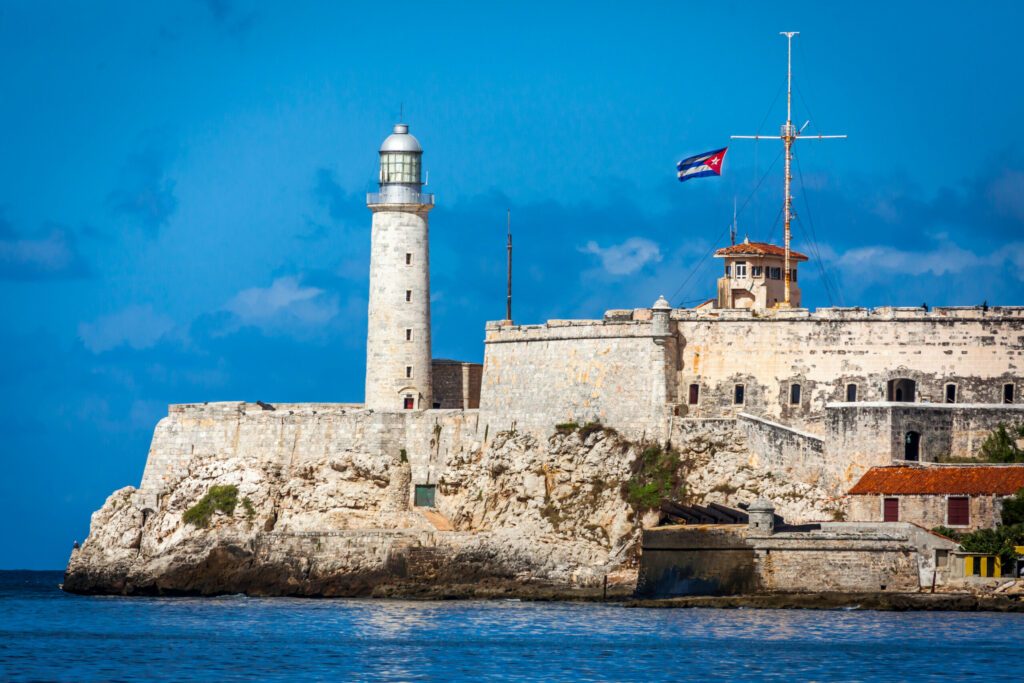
(47, 635)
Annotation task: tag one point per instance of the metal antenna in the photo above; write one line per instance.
(508, 296)
(788, 135)
(732, 230)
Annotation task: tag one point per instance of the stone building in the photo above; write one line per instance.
(767, 556)
(754, 276)
(963, 497)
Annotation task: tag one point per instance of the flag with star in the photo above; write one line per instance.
(708, 163)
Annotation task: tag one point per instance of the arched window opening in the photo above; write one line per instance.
(794, 394)
(902, 390)
(950, 393)
(912, 446)
(851, 393)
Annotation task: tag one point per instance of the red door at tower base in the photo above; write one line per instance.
(410, 403)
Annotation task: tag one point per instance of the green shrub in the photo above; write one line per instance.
(655, 478)
(218, 499)
(947, 532)
(250, 509)
(1001, 446)
(1000, 541)
(566, 427)
(589, 428)
(1013, 509)
(403, 455)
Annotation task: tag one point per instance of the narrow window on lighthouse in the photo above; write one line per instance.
(408, 259)
(408, 334)
(408, 371)
(408, 295)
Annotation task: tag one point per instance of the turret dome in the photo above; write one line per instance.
(401, 141)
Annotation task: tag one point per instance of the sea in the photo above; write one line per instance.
(46, 635)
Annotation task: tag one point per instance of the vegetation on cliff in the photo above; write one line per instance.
(656, 477)
(1001, 445)
(217, 499)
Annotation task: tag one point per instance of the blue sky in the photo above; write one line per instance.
(182, 189)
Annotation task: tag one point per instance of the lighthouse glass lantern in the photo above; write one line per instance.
(401, 159)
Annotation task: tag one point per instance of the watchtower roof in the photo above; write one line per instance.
(747, 248)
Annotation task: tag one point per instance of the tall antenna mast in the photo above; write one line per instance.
(508, 296)
(732, 231)
(788, 134)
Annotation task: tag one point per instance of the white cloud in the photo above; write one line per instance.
(625, 258)
(284, 303)
(139, 327)
(877, 263)
(1007, 193)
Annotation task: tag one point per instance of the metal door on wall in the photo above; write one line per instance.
(425, 495)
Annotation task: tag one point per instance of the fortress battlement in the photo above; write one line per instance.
(851, 313)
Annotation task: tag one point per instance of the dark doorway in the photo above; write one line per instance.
(425, 494)
(902, 390)
(912, 446)
(950, 393)
(1007, 393)
(694, 394)
(737, 395)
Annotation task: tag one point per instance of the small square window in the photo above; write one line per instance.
(741, 269)
(756, 271)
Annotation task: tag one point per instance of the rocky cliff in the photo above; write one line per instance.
(321, 504)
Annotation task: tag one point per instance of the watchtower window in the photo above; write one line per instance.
(408, 371)
(741, 269)
(408, 334)
(950, 393)
(756, 271)
(408, 295)
(794, 394)
(408, 259)
(728, 271)
(851, 393)
(1007, 393)
(737, 394)
(775, 273)
(694, 394)
(792, 275)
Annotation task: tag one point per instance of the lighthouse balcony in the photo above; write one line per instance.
(399, 195)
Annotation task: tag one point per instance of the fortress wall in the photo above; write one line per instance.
(783, 449)
(613, 372)
(294, 435)
(865, 434)
(823, 351)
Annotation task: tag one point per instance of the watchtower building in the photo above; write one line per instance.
(755, 276)
(398, 372)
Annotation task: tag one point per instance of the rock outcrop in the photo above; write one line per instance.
(323, 507)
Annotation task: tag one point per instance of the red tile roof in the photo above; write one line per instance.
(758, 249)
(967, 479)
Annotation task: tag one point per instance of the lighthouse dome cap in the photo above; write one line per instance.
(401, 141)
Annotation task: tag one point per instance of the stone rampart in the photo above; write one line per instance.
(616, 373)
(776, 447)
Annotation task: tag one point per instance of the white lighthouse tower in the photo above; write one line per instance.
(398, 335)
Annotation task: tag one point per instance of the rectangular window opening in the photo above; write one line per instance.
(408, 295)
(950, 393)
(792, 275)
(408, 371)
(409, 402)
(737, 394)
(741, 269)
(958, 511)
(728, 271)
(891, 510)
(851, 393)
(794, 395)
(756, 271)
(408, 334)
(694, 394)
(1008, 393)
(408, 259)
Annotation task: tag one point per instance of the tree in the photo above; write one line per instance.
(1013, 509)
(1001, 445)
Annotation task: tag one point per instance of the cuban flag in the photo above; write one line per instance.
(708, 163)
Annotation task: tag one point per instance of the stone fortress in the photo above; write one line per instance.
(451, 472)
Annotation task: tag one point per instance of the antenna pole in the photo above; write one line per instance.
(732, 233)
(508, 296)
(788, 134)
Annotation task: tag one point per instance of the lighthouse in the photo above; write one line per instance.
(398, 371)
